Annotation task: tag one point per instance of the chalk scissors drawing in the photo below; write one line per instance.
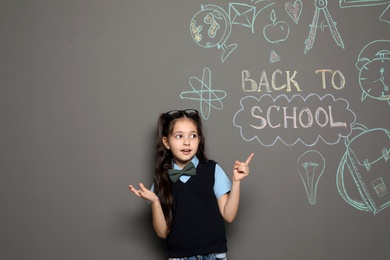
(201, 91)
(322, 6)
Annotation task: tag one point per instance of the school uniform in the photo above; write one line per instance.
(198, 229)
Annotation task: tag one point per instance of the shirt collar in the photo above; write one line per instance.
(194, 160)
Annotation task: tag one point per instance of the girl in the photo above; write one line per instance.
(191, 195)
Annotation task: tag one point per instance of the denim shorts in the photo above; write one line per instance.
(218, 256)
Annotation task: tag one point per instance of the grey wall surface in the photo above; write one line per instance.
(82, 84)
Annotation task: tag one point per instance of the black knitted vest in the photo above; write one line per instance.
(198, 227)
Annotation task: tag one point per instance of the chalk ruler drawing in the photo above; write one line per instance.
(361, 3)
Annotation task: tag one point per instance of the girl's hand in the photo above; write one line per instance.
(144, 193)
(241, 169)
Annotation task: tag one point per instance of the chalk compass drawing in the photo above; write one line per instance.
(201, 91)
(211, 27)
(311, 165)
(367, 160)
(322, 6)
(374, 70)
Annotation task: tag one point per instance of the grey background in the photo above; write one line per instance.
(81, 86)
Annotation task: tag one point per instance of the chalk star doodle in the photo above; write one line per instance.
(205, 88)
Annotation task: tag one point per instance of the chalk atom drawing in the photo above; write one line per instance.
(202, 92)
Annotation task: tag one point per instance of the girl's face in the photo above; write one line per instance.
(183, 141)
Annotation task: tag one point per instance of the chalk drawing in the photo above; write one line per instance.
(211, 27)
(367, 159)
(201, 91)
(292, 120)
(322, 6)
(373, 64)
(277, 31)
(311, 165)
(294, 10)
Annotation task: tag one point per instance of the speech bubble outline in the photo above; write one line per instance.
(286, 136)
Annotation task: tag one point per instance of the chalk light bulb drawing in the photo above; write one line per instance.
(311, 166)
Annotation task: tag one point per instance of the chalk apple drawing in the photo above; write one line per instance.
(277, 31)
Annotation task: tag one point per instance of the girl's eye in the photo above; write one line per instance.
(178, 136)
(193, 136)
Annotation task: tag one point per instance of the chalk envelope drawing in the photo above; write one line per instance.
(211, 27)
(242, 14)
(292, 120)
(201, 91)
(367, 160)
(311, 166)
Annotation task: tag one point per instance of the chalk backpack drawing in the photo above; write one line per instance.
(367, 160)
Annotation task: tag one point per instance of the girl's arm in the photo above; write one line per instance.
(228, 204)
(159, 222)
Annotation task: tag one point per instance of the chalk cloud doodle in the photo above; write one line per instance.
(373, 64)
(292, 120)
(311, 166)
(201, 91)
(367, 159)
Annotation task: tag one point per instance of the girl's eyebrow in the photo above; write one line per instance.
(181, 132)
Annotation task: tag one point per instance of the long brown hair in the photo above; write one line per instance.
(163, 159)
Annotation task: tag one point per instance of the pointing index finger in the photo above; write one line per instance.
(249, 158)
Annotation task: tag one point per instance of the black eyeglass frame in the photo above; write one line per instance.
(191, 113)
